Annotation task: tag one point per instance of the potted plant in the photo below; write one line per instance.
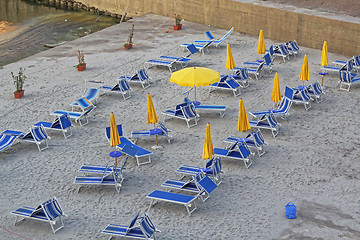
(19, 82)
(129, 43)
(82, 64)
(177, 19)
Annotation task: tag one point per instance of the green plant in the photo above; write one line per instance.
(81, 58)
(177, 19)
(19, 79)
(130, 39)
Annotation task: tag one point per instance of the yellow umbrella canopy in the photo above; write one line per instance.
(276, 95)
(261, 44)
(243, 121)
(230, 63)
(208, 151)
(114, 134)
(194, 77)
(324, 55)
(151, 116)
(304, 75)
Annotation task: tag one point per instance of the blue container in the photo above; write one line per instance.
(290, 210)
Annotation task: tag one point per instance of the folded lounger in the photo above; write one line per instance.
(121, 87)
(61, 123)
(200, 184)
(140, 228)
(110, 175)
(140, 152)
(160, 130)
(36, 134)
(49, 211)
(226, 83)
(6, 141)
(77, 116)
(183, 111)
(267, 121)
(141, 76)
(212, 38)
(239, 151)
(212, 169)
(254, 140)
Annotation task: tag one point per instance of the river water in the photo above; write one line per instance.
(25, 27)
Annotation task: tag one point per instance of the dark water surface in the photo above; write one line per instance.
(26, 27)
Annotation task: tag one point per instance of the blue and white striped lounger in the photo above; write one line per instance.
(160, 62)
(239, 151)
(6, 141)
(185, 200)
(87, 168)
(49, 211)
(61, 123)
(213, 108)
(77, 116)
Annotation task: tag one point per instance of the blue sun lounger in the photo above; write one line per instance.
(212, 169)
(238, 151)
(347, 79)
(61, 123)
(283, 52)
(49, 211)
(267, 121)
(226, 84)
(255, 64)
(212, 108)
(201, 47)
(200, 184)
(97, 169)
(77, 116)
(91, 94)
(282, 110)
(121, 87)
(141, 76)
(160, 130)
(315, 91)
(212, 38)
(36, 134)
(6, 141)
(144, 229)
(140, 152)
(183, 111)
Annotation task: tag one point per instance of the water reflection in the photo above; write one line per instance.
(26, 27)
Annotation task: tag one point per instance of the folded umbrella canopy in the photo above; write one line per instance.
(261, 44)
(195, 77)
(304, 75)
(243, 121)
(151, 117)
(324, 55)
(230, 63)
(114, 134)
(208, 150)
(276, 95)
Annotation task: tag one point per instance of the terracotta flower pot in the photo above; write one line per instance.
(128, 46)
(177, 27)
(19, 95)
(81, 67)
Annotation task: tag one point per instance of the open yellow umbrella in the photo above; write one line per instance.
(304, 75)
(243, 121)
(208, 151)
(194, 77)
(230, 63)
(324, 55)
(114, 134)
(261, 44)
(276, 95)
(151, 117)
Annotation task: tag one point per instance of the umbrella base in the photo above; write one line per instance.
(158, 147)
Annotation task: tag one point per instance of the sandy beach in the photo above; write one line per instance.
(313, 162)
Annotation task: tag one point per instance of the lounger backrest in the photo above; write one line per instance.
(233, 84)
(207, 184)
(267, 59)
(283, 49)
(209, 35)
(163, 128)
(52, 209)
(271, 50)
(357, 60)
(123, 85)
(223, 78)
(244, 73)
(285, 105)
(107, 131)
(92, 93)
(217, 168)
(209, 163)
(143, 75)
(305, 95)
(192, 49)
(6, 140)
(132, 223)
(350, 65)
(271, 119)
(129, 150)
(147, 226)
(289, 93)
(188, 112)
(84, 103)
(258, 137)
(244, 150)
(343, 76)
(206, 45)
(226, 35)
(260, 67)
(56, 123)
(39, 133)
(317, 88)
(65, 121)
(178, 110)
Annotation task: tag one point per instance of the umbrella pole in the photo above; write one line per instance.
(115, 162)
(157, 143)
(195, 92)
